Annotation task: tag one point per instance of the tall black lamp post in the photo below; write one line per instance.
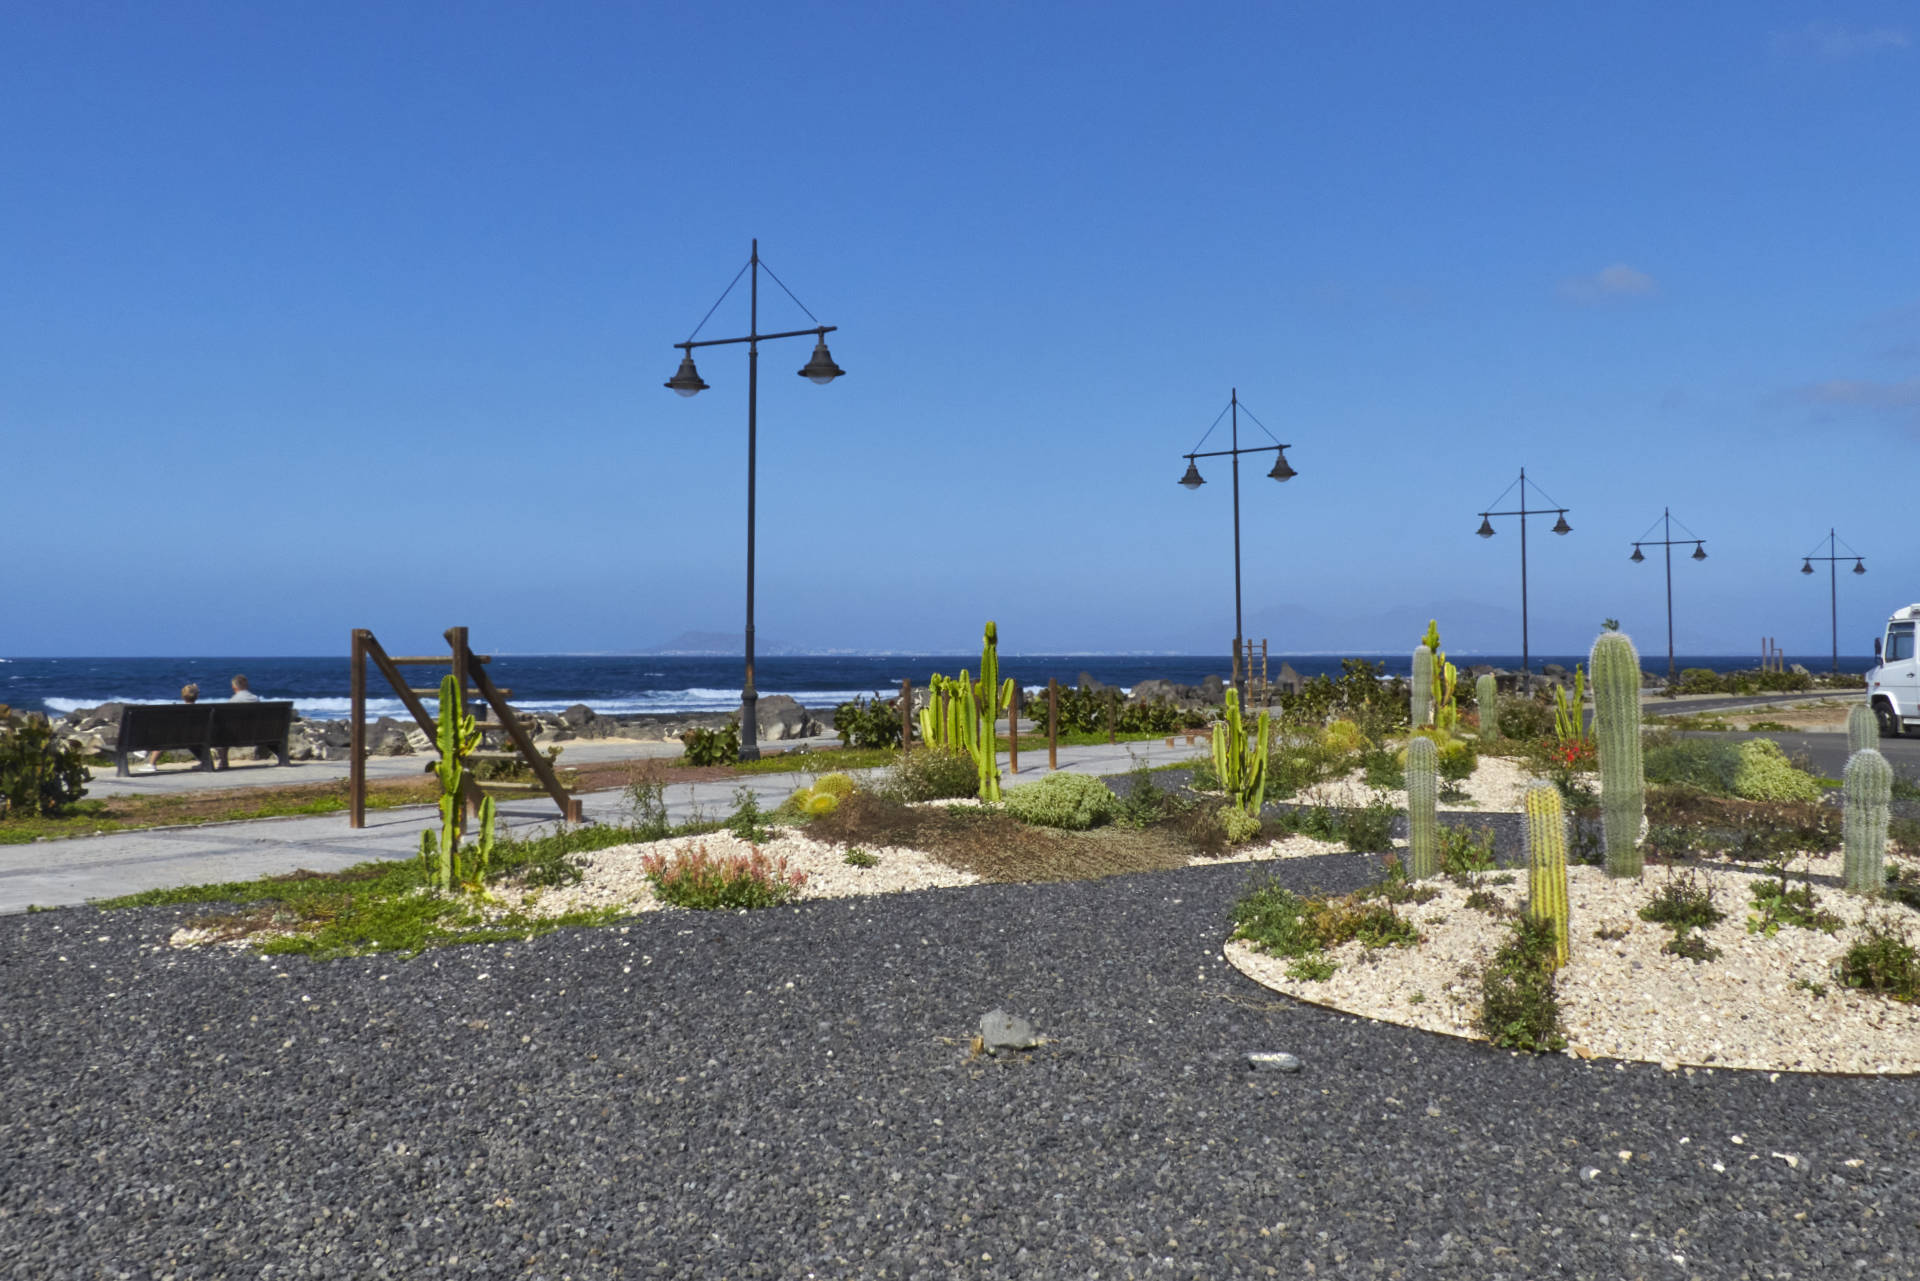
(687, 382)
(1193, 480)
(1668, 543)
(1560, 526)
(1833, 558)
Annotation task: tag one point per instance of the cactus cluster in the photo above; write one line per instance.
(446, 861)
(1421, 708)
(1423, 798)
(1446, 713)
(961, 713)
(1547, 864)
(1616, 722)
(1240, 757)
(1869, 789)
(1863, 729)
(1487, 694)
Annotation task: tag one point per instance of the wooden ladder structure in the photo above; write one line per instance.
(467, 667)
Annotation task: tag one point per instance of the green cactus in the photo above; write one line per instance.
(1869, 788)
(1616, 723)
(1486, 692)
(442, 860)
(1240, 757)
(1547, 864)
(1446, 714)
(1423, 796)
(960, 714)
(1863, 730)
(1421, 709)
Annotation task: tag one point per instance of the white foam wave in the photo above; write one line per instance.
(327, 708)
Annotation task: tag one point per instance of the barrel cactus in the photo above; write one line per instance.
(1863, 731)
(1869, 788)
(1486, 693)
(1422, 702)
(1616, 722)
(1423, 795)
(1547, 864)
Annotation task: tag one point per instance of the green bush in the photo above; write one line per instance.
(1282, 923)
(39, 775)
(1518, 1007)
(1343, 738)
(1765, 774)
(1700, 680)
(1241, 826)
(713, 746)
(1378, 707)
(1707, 765)
(1525, 719)
(1883, 960)
(1369, 829)
(864, 723)
(1085, 711)
(1075, 802)
(927, 774)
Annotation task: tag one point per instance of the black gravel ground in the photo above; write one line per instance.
(788, 1093)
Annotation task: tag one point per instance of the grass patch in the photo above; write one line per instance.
(132, 813)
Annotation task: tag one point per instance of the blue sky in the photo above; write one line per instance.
(324, 316)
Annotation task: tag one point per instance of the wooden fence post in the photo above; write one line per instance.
(906, 714)
(1053, 723)
(357, 732)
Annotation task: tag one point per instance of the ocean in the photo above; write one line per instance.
(615, 685)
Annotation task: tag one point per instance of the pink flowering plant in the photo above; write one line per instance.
(694, 878)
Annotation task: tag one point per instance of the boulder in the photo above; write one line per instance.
(779, 716)
(1213, 690)
(1086, 682)
(577, 717)
(1154, 691)
(388, 737)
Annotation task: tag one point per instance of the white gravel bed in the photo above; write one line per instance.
(613, 877)
(1498, 786)
(1624, 998)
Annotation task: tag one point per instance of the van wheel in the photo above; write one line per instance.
(1889, 723)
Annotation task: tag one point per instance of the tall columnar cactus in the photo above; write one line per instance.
(1421, 709)
(1547, 864)
(1863, 731)
(960, 714)
(446, 862)
(1423, 801)
(1616, 722)
(1869, 788)
(1486, 692)
(1240, 757)
(1446, 714)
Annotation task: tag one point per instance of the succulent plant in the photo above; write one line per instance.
(1421, 709)
(1547, 864)
(1863, 729)
(1240, 757)
(960, 714)
(1869, 788)
(1423, 796)
(1486, 692)
(1616, 723)
(444, 860)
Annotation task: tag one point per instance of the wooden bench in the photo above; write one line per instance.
(199, 728)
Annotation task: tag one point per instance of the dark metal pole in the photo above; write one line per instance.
(749, 697)
(1666, 515)
(1239, 630)
(1833, 587)
(1526, 668)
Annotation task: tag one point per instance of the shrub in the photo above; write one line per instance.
(1074, 802)
(928, 774)
(647, 808)
(1684, 902)
(868, 723)
(1377, 706)
(1382, 770)
(713, 746)
(693, 878)
(1883, 959)
(1707, 765)
(1282, 923)
(857, 857)
(1144, 803)
(1240, 826)
(1700, 680)
(1465, 851)
(1518, 1007)
(1765, 774)
(748, 821)
(1369, 829)
(1343, 738)
(1526, 719)
(39, 774)
(1086, 711)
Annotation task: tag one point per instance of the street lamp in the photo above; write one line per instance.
(686, 381)
(1669, 543)
(1193, 480)
(1833, 559)
(1560, 526)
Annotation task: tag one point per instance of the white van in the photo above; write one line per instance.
(1893, 687)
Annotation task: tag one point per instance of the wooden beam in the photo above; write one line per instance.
(357, 730)
(542, 768)
(427, 724)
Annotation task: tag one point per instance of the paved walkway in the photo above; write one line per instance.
(71, 871)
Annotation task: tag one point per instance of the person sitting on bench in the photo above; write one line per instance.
(189, 693)
(241, 694)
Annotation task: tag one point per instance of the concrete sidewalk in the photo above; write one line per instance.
(72, 871)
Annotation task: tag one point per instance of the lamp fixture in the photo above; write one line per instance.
(821, 370)
(687, 381)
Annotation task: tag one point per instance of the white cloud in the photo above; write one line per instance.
(1837, 44)
(1617, 281)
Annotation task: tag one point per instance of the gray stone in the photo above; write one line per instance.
(388, 738)
(1213, 690)
(1272, 1061)
(577, 717)
(779, 716)
(1000, 1030)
